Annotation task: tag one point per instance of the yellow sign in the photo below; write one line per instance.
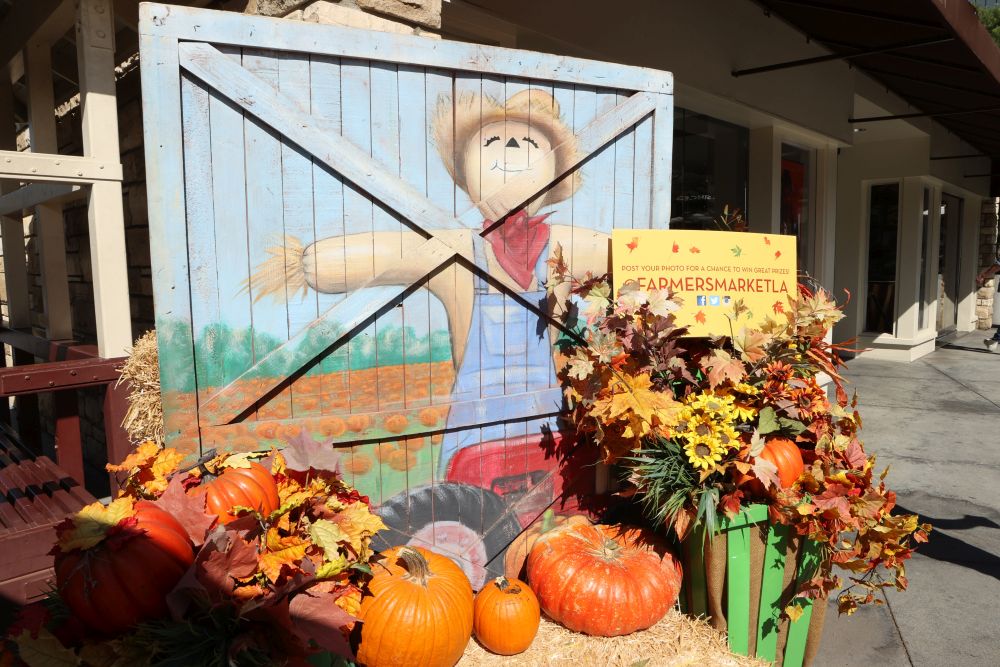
(709, 272)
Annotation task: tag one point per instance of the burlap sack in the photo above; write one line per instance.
(715, 583)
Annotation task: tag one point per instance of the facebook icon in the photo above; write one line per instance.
(701, 300)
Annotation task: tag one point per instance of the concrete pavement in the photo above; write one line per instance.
(936, 422)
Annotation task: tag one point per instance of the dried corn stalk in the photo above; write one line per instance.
(144, 419)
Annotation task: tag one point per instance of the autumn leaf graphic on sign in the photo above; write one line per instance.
(633, 244)
(694, 250)
(699, 317)
(736, 250)
(777, 254)
(676, 248)
(767, 241)
(778, 307)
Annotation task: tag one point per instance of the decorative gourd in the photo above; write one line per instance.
(517, 552)
(787, 457)
(419, 612)
(241, 487)
(125, 578)
(603, 580)
(506, 616)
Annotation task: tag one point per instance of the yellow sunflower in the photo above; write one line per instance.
(743, 412)
(713, 404)
(728, 437)
(704, 453)
(747, 389)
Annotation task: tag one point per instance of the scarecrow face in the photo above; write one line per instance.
(505, 149)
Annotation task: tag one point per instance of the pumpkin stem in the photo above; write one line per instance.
(548, 520)
(503, 583)
(415, 563)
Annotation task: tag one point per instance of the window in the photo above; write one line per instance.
(883, 225)
(710, 168)
(925, 242)
(796, 210)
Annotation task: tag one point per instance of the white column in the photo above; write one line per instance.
(96, 57)
(12, 227)
(765, 185)
(49, 229)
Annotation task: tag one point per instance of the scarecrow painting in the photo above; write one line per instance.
(496, 341)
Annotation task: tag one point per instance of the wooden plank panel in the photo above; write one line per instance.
(233, 28)
(642, 175)
(602, 177)
(622, 215)
(798, 630)
(738, 587)
(328, 207)
(264, 209)
(663, 141)
(356, 103)
(297, 221)
(769, 614)
(199, 211)
(168, 249)
(228, 180)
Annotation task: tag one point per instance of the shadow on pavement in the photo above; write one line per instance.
(944, 547)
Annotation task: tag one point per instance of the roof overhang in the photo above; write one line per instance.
(934, 54)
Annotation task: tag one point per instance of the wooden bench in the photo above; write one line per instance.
(35, 495)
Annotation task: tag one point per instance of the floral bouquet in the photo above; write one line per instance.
(707, 425)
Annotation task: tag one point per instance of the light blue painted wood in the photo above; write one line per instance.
(642, 176)
(265, 212)
(416, 323)
(168, 249)
(328, 208)
(585, 199)
(663, 141)
(229, 187)
(201, 251)
(624, 175)
(603, 176)
(233, 28)
(297, 215)
(359, 211)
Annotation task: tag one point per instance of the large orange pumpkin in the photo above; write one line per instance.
(241, 487)
(517, 552)
(419, 612)
(603, 580)
(505, 616)
(125, 579)
(787, 457)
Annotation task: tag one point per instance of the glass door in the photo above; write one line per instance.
(949, 262)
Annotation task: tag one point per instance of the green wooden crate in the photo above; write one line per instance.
(738, 600)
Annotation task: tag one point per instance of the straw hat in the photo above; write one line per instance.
(454, 125)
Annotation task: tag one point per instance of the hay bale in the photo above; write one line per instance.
(144, 419)
(675, 641)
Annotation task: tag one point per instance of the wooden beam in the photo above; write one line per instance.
(23, 166)
(49, 228)
(34, 194)
(106, 219)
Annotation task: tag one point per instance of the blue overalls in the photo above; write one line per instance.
(508, 352)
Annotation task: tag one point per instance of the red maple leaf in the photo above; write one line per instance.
(633, 244)
(778, 307)
(699, 317)
(676, 248)
(767, 241)
(777, 254)
(694, 250)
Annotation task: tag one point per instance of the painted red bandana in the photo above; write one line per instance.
(517, 244)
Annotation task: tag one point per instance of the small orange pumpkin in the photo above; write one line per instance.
(505, 616)
(787, 457)
(241, 487)
(419, 612)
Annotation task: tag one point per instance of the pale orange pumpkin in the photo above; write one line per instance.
(418, 613)
(505, 616)
(517, 552)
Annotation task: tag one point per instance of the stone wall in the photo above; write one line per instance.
(987, 253)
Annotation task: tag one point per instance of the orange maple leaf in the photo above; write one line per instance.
(721, 366)
(676, 248)
(280, 551)
(778, 307)
(767, 241)
(777, 254)
(699, 317)
(633, 244)
(694, 250)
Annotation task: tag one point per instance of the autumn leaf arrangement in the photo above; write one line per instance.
(259, 559)
(703, 426)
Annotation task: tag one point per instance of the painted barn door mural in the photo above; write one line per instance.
(350, 234)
